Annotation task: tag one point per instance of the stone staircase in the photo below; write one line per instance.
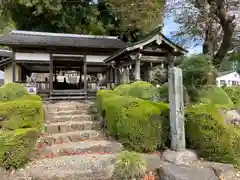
(72, 128)
(72, 146)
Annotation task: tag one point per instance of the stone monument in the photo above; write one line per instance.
(178, 153)
(31, 84)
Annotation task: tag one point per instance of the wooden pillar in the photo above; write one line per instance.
(114, 75)
(13, 68)
(146, 72)
(85, 74)
(51, 75)
(138, 67)
(55, 73)
(170, 60)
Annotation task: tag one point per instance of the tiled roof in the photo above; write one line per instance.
(62, 40)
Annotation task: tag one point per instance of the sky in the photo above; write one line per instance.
(170, 27)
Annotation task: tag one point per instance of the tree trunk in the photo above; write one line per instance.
(227, 24)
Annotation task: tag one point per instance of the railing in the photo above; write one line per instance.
(94, 85)
(42, 86)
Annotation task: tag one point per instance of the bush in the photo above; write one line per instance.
(12, 91)
(32, 97)
(215, 95)
(21, 114)
(233, 92)
(129, 165)
(139, 89)
(123, 89)
(16, 147)
(163, 94)
(21, 122)
(198, 71)
(207, 132)
(140, 125)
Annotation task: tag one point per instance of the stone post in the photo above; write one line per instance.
(124, 76)
(138, 67)
(176, 109)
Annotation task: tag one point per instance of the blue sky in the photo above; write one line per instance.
(170, 27)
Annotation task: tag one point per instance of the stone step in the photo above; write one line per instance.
(67, 106)
(70, 112)
(60, 138)
(87, 167)
(77, 117)
(71, 126)
(79, 148)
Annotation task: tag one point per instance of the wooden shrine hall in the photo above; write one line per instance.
(73, 66)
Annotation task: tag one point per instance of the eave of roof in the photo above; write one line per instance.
(5, 53)
(61, 40)
(155, 35)
(225, 73)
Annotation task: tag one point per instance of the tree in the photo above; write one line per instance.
(138, 17)
(104, 17)
(201, 21)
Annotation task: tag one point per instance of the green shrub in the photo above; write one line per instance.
(215, 95)
(198, 71)
(207, 132)
(13, 91)
(139, 89)
(233, 92)
(139, 124)
(123, 89)
(21, 114)
(129, 165)
(32, 97)
(16, 147)
(237, 105)
(163, 94)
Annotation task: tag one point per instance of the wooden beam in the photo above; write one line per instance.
(85, 74)
(138, 67)
(51, 75)
(170, 60)
(13, 68)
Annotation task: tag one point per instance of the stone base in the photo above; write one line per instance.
(180, 157)
(182, 172)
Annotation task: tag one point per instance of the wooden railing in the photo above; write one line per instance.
(42, 86)
(94, 85)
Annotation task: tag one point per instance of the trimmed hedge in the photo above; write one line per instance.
(21, 121)
(16, 147)
(207, 132)
(12, 91)
(215, 95)
(32, 97)
(233, 92)
(21, 114)
(139, 89)
(139, 124)
(163, 94)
